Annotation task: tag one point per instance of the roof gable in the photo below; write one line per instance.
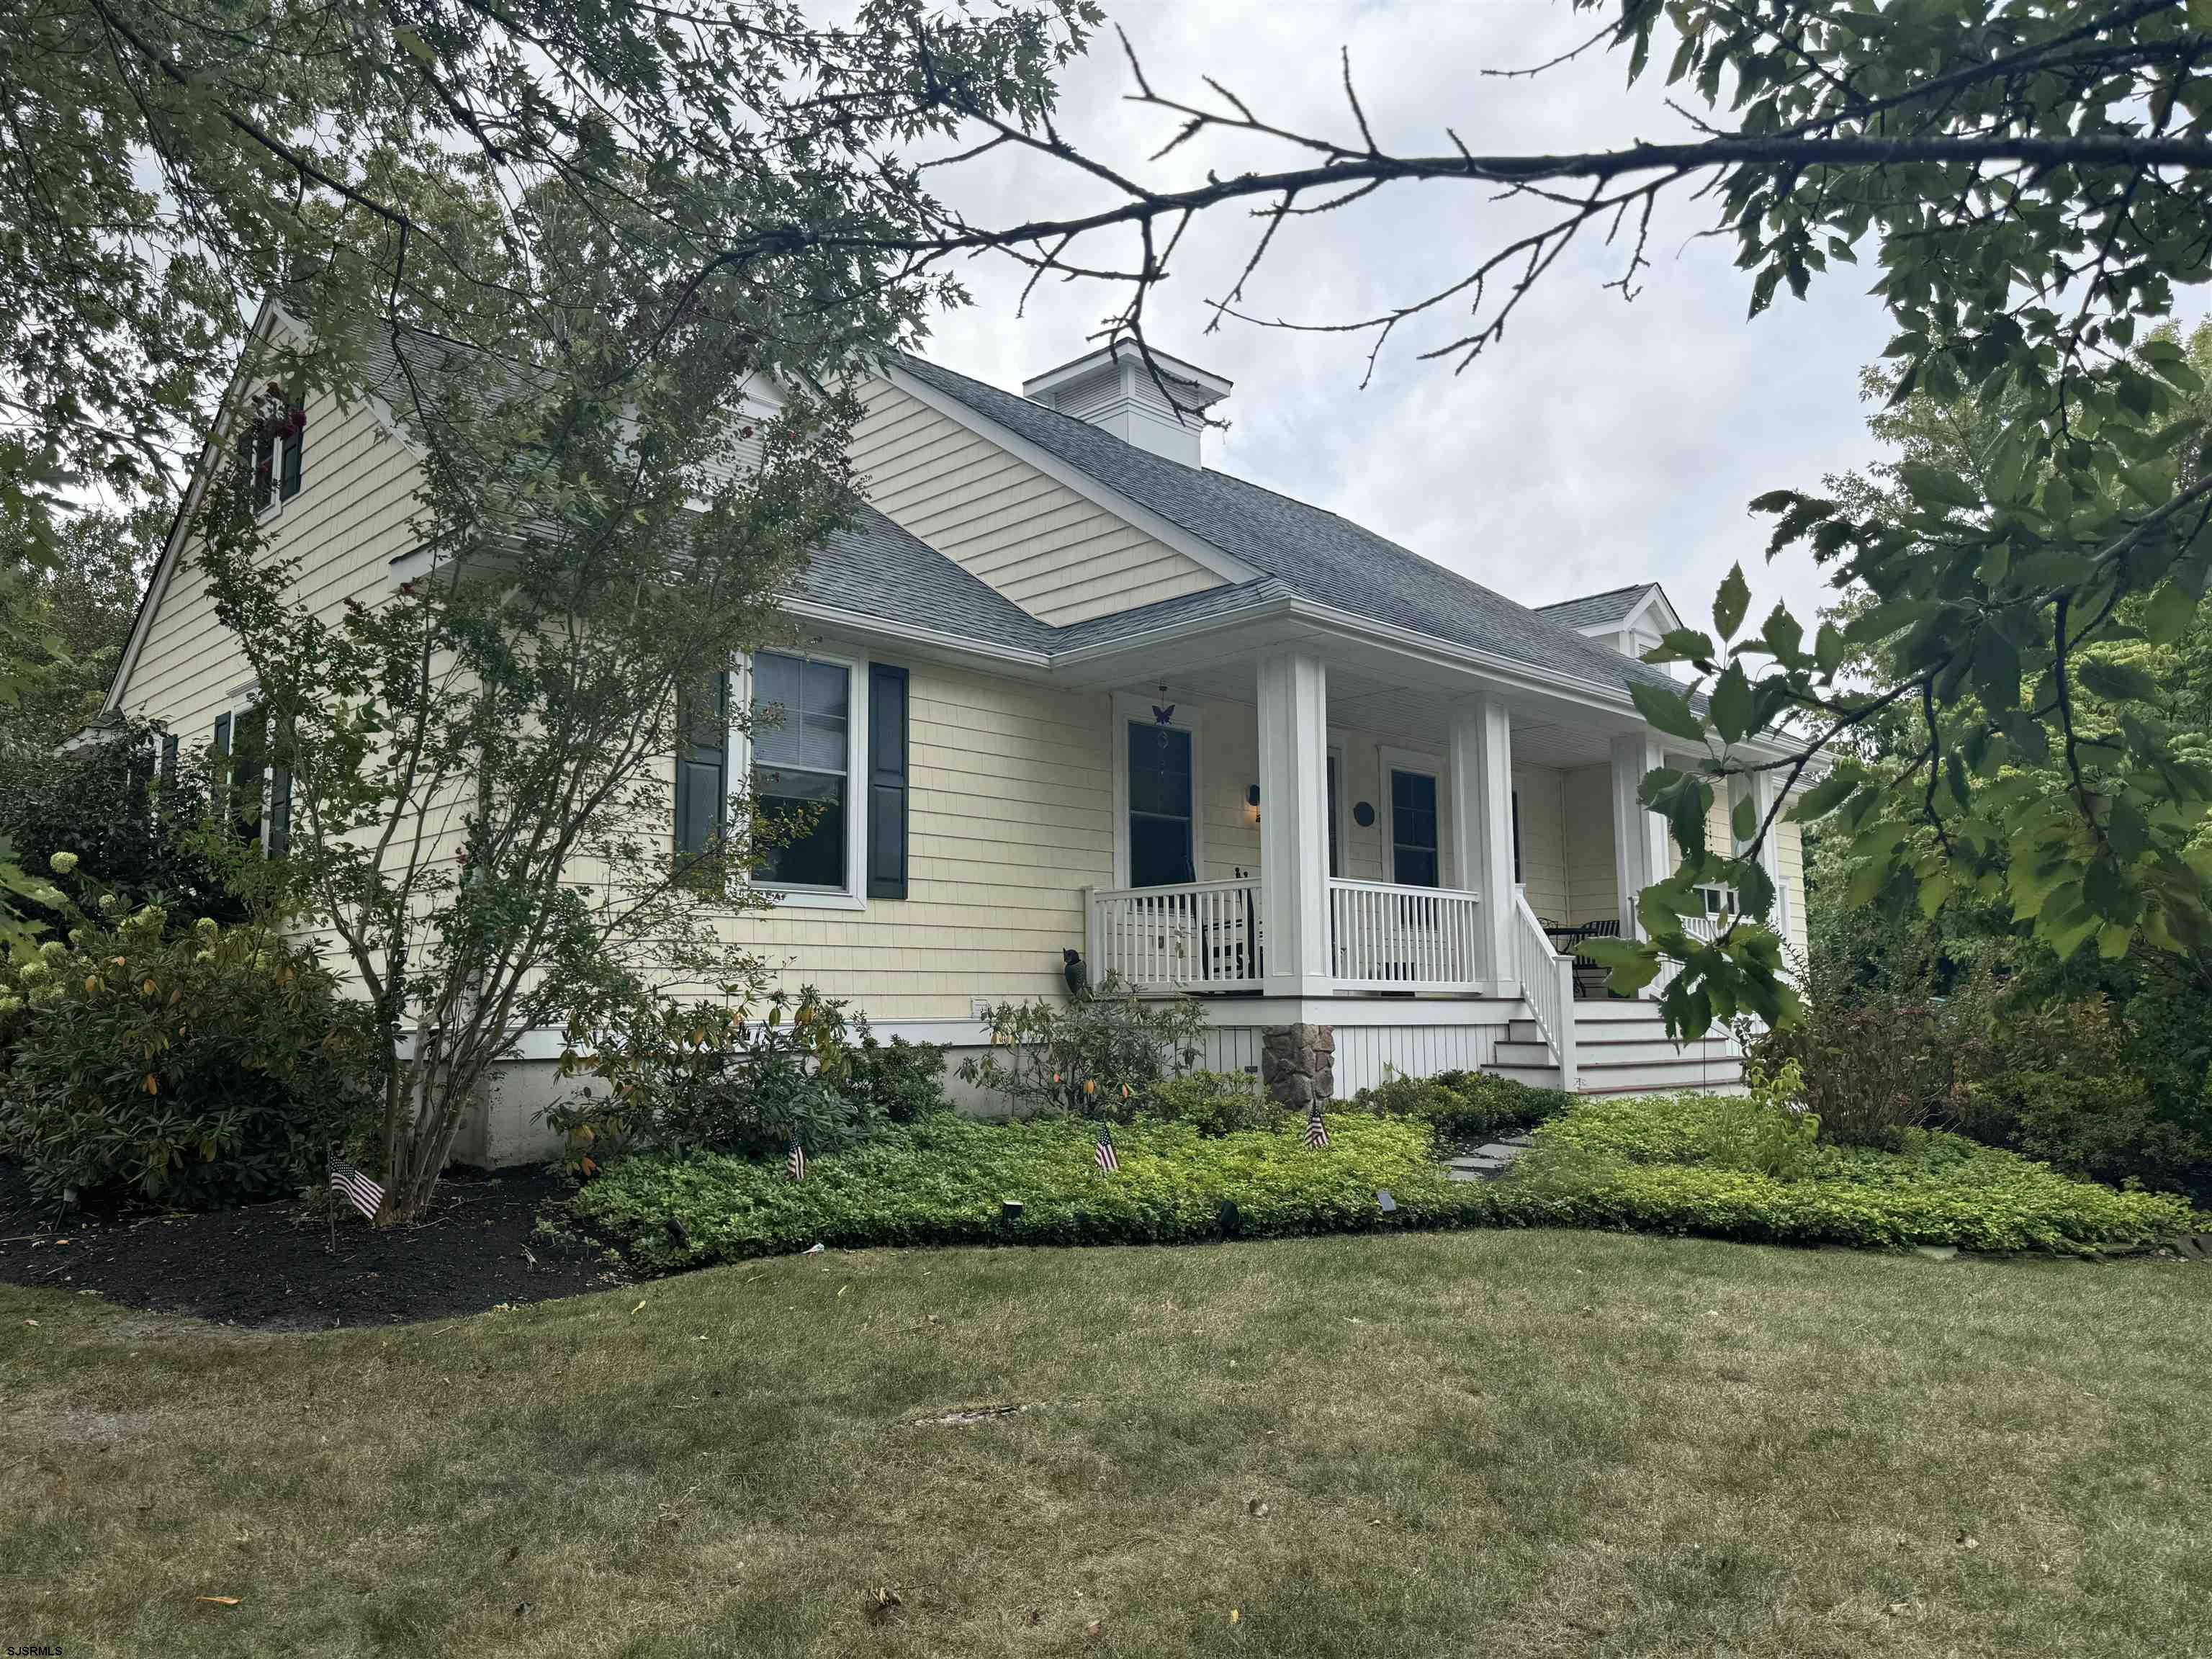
(1314, 553)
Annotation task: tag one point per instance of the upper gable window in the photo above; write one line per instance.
(272, 451)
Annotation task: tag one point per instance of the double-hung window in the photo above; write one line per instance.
(805, 726)
(272, 452)
(254, 783)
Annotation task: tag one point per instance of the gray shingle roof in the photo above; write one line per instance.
(1308, 551)
(1594, 610)
(878, 570)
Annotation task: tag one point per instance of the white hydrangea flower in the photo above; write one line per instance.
(63, 864)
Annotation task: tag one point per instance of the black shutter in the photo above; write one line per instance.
(296, 438)
(703, 763)
(219, 781)
(887, 788)
(169, 759)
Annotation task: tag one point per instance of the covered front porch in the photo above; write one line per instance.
(1315, 824)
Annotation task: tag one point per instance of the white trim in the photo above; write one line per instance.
(1337, 749)
(545, 1042)
(854, 894)
(1413, 759)
(1128, 708)
(1479, 1004)
(157, 585)
(1204, 553)
(237, 701)
(911, 634)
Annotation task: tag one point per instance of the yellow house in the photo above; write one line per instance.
(1068, 690)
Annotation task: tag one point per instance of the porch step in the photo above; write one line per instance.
(1544, 1076)
(1621, 1047)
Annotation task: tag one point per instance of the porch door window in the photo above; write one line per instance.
(1159, 806)
(1414, 843)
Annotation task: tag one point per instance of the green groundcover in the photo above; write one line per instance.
(1652, 1164)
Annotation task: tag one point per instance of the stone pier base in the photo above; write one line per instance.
(1298, 1063)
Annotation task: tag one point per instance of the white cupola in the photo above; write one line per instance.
(1116, 388)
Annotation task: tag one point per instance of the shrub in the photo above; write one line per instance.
(107, 806)
(203, 1070)
(1870, 1074)
(1215, 1102)
(1105, 1053)
(1463, 1106)
(902, 1082)
(681, 1078)
(2072, 1083)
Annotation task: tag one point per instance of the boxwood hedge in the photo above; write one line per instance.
(1645, 1164)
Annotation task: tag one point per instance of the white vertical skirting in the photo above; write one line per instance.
(1366, 1054)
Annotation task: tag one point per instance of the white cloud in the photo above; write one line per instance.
(1600, 441)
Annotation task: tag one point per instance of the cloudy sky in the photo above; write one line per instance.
(1601, 442)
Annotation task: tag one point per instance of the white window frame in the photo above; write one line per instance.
(1730, 903)
(240, 699)
(1413, 759)
(275, 504)
(1336, 748)
(853, 896)
(1133, 706)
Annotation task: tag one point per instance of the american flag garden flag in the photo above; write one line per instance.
(1316, 1130)
(795, 1165)
(351, 1184)
(1104, 1156)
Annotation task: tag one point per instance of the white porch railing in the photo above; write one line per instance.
(1197, 936)
(1400, 939)
(1547, 986)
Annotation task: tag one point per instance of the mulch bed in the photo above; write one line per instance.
(271, 1265)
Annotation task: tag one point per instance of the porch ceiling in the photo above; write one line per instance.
(1406, 716)
(1560, 747)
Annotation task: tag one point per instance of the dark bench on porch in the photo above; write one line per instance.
(1589, 975)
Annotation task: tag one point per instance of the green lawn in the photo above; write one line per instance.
(1513, 1443)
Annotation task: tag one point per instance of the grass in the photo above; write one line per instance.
(1511, 1443)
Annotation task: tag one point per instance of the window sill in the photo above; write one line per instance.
(791, 898)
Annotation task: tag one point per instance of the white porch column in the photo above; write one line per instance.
(1294, 823)
(1482, 821)
(1639, 837)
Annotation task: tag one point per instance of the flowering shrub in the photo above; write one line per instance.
(202, 1069)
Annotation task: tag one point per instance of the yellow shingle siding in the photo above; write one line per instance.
(352, 516)
(1009, 816)
(1049, 550)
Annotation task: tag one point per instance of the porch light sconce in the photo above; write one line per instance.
(1363, 815)
(1252, 804)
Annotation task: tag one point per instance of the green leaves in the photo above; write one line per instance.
(1937, 489)
(1729, 604)
(2115, 681)
(1732, 707)
(1668, 711)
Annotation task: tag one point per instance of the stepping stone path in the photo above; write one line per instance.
(1489, 1161)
